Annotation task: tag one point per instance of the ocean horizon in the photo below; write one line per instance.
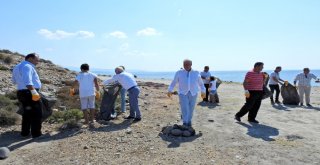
(230, 76)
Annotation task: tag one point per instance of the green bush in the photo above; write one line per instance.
(8, 117)
(65, 116)
(4, 101)
(8, 60)
(2, 56)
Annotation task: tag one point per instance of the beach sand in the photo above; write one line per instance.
(285, 135)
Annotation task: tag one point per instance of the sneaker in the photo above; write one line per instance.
(253, 121)
(237, 118)
(278, 102)
(309, 105)
(301, 104)
(129, 117)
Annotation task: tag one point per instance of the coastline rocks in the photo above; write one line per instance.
(4, 152)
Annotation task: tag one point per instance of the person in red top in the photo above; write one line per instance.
(253, 86)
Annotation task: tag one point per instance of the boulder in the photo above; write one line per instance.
(4, 152)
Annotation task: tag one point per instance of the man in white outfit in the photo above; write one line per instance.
(189, 82)
(304, 85)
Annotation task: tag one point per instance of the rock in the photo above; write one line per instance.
(128, 131)
(211, 120)
(186, 133)
(4, 152)
(62, 108)
(176, 132)
(167, 130)
(85, 147)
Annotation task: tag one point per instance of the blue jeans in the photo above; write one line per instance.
(133, 101)
(187, 104)
(123, 99)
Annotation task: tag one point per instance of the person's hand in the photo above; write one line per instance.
(71, 92)
(247, 93)
(35, 95)
(203, 95)
(169, 94)
(98, 95)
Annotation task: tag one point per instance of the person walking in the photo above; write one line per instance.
(253, 86)
(28, 84)
(189, 82)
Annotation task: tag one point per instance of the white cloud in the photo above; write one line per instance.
(60, 34)
(118, 34)
(148, 32)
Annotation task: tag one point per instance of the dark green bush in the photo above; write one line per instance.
(65, 116)
(8, 60)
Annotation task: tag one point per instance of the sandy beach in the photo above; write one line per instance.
(285, 135)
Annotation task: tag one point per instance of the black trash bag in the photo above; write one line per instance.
(266, 92)
(109, 97)
(47, 102)
(289, 94)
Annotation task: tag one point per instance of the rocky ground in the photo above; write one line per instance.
(285, 135)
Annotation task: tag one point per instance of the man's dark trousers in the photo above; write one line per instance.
(252, 105)
(31, 117)
(273, 88)
(207, 92)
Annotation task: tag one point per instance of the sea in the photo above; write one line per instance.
(230, 76)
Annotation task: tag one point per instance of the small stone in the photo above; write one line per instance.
(176, 132)
(165, 106)
(186, 133)
(129, 131)
(85, 147)
(4, 152)
(211, 120)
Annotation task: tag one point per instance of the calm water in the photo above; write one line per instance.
(234, 76)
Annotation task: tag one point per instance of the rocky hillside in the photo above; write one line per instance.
(53, 77)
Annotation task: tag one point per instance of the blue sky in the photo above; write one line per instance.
(156, 35)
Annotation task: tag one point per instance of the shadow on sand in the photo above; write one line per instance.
(13, 140)
(175, 142)
(208, 104)
(111, 126)
(261, 131)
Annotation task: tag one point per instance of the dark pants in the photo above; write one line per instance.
(207, 92)
(252, 105)
(31, 117)
(274, 88)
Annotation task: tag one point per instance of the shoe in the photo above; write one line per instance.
(301, 104)
(253, 121)
(36, 136)
(278, 102)
(272, 102)
(136, 119)
(129, 117)
(309, 105)
(237, 118)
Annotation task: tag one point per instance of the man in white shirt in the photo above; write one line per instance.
(274, 82)
(87, 83)
(304, 85)
(128, 82)
(205, 75)
(189, 82)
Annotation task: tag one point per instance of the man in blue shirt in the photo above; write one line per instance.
(28, 84)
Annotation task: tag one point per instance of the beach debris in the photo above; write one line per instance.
(129, 131)
(211, 120)
(4, 152)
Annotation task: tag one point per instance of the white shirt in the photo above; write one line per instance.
(24, 74)
(86, 84)
(206, 75)
(276, 76)
(125, 79)
(213, 85)
(188, 81)
(304, 80)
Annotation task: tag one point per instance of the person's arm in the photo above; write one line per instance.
(173, 83)
(109, 81)
(202, 87)
(27, 78)
(96, 84)
(295, 80)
